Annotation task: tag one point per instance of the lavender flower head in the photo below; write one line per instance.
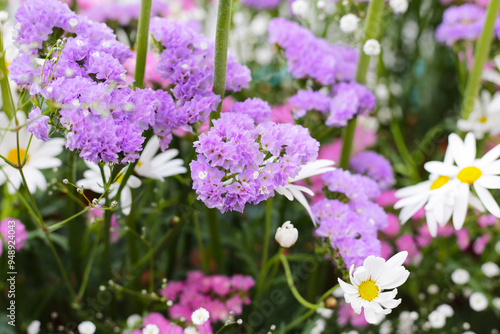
(38, 124)
(353, 186)
(257, 109)
(375, 166)
(306, 100)
(310, 56)
(463, 22)
(351, 234)
(261, 4)
(241, 163)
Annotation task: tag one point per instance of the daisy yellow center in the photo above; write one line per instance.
(368, 290)
(483, 119)
(12, 156)
(469, 174)
(439, 182)
(139, 164)
(119, 179)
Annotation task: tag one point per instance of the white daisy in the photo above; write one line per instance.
(368, 283)
(493, 75)
(481, 173)
(40, 155)
(93, 181)
(484, 118)
(160, 166)
(293, 191)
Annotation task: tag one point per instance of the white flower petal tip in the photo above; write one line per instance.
(373, 286)
(286, 235)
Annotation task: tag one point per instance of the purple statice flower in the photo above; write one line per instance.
(349, 99)
(22, 70)
(370, 211)
(375, 166)
(350, 233)
(261, 4)
(306, 100)
(240, 163)
(257, 109)
(353, 186)
(463, 22)
(122, 13)
(38, 124)
(238, 76)
(310, 56)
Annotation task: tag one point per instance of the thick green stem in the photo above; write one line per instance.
(142, 42)
(75, 230)
(8, 102)
(372, 30)
(481, 55)
(265, 250)
(221, 44)
(215, 243)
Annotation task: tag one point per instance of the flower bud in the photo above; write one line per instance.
(286, 235)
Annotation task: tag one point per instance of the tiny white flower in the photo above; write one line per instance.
(445, 310)
(286, 235)
(460, 276)
(496, 302)
(73, 22)
(399, 6)
(490, 269)
(485, 117)
(368, 283)
(133, 320)
(349, 23)
(151, 329)
(319, 326)
(300, 8)
(437, 319)
(34, 327)
(478, 302)
(325, 312)
(200, 316)
(190, 330)
(432, 289)
(371, 47)
(86, 327)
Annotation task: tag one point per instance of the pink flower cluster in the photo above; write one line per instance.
(164, 325)
(20, 232)
(218, 294)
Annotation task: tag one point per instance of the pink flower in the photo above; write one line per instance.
(406, 243)
(282, 114)
(94, 215)
(463, 239)
(221, 285)
(386, 250)
(393, 225)
(242, 283)
(235, 304)
(17, 232)
(480, 244)
(228, 103)
(151, 77)
(487, 220)
(347, 315)
(387, 198)
(165, 326)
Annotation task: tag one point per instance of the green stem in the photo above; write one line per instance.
(291, 285)
(215, 243)
(57, 226)
(88, 268)
(131, 242)
(265, 250)
(403, 149)
(8, 102)
(142, 42)
(204, 260)
(221, 44)
(372, 30)
(481, 55)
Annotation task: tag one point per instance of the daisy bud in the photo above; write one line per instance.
(371, 47)
(65, 181)
(349, 23)
(200, 316)
(286, 235)
(86, 327)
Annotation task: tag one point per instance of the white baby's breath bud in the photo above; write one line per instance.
(478, 302)
(371, 47)
(300, 8)
(200, 316)
(144, 292)
(75, 103)
(349, 23)
(239, 321)
(34, 327)
(69, 73)
(286, 235)
(80, 190)
(106, 44)
(102, 288)
(98, 315)
(490, 269)
(202, 175)
(114, 204)
(460, 276)
(273, 327)
(86, 327)
(65, 181)
(133, 320)
(50, 89)
(4, 16)
(170, 303)
(399, 6)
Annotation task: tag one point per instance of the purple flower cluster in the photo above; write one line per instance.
(187, 59)
(348, 99)
(375, 166)
(352, 224)
(261, 4)
(310, 56)
(463, 22)
(123, 13)
(350, 233)
(241, 163)
(257, 109)
(217, 294)
(38, 124)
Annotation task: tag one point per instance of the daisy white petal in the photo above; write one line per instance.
(460, 207)
(488, 200)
